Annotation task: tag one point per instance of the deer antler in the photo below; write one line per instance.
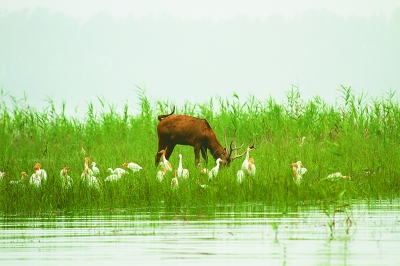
(235, 148)
(240, 155)
(226, 143)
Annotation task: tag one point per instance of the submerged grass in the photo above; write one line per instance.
(357, 137)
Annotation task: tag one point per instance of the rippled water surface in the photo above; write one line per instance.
(359, 234)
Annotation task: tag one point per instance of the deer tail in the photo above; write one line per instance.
(161, 117)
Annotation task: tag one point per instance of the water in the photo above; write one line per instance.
(230, 235)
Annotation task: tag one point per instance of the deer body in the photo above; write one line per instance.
(188, 130)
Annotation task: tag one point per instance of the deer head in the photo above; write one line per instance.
(226, 156)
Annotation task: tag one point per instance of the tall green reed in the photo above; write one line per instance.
(357, 136)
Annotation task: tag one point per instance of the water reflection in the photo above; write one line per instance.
(218, 235)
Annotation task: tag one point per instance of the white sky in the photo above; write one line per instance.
(216, 10)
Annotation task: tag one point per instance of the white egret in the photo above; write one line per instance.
(338, 175)
(251, 167)
(133, 166)
(245, 164)
(298, 171)
(203, 171)
(182, 172)
(161, 174)
(20, 181)
(214, 171)
(65, 178)
(35, 178)
(240, 176)
(41, 172)
(88, 176)
(302, 170)
(174, 181)
(117, 171)
(90, 179)
(164, 162)
(87, 172)
(39, 175)
(95, 169)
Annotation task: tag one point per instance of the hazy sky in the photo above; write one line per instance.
(194, 50)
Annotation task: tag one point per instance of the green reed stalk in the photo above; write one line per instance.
(357, 136)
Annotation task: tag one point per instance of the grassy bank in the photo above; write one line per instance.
(358, 137)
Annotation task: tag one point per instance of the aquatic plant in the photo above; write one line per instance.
(356, 136)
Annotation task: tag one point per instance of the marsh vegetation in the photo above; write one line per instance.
(358, 137)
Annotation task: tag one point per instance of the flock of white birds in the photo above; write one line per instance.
(248, 168)
(299, 170)
(88, 175)
(90, 171)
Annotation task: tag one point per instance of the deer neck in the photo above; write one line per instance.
(215, 148)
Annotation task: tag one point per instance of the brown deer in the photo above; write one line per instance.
(193, 131)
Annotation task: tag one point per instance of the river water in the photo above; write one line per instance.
(358, 234)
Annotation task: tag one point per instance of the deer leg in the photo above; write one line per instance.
(197, 149)
(204, 154)
(170, 149)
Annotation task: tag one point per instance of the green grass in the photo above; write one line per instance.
(354, 135)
